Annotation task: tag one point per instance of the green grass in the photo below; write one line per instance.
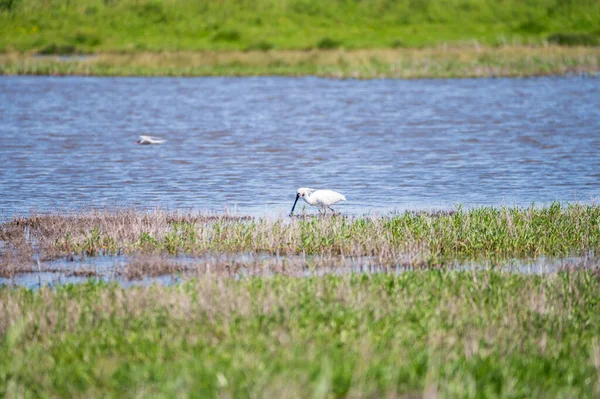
(431, 331)
(301, 37)
(466, 234)
(452, 334)
(67, 26)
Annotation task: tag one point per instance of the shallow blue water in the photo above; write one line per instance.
(107, 268)
(246, 144)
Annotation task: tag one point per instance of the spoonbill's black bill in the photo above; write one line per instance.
(294, 206)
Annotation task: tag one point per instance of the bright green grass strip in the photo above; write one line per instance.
(157, 25)
(459, 334)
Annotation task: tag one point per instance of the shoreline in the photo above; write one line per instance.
(405, 63)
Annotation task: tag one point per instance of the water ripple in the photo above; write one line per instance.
(248, 143)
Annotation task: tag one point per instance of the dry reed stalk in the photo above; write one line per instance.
(442, 61)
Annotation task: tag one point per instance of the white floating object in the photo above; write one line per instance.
(323, 199)
(150, 140)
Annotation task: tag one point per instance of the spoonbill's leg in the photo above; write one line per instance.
(333, 210)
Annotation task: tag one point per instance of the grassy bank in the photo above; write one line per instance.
(359, 39)
(480, 233)
(431, 333)
(67, 26)
(439, 62)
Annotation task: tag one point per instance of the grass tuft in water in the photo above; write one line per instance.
(433, 238)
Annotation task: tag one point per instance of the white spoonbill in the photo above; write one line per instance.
(150, 140)
(323, 199)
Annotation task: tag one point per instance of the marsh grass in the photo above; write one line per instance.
(442, 333)
(439, 62)
(409, 238)
(266, 314)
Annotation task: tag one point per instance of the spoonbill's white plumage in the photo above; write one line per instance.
(323, 199)
(150, 140)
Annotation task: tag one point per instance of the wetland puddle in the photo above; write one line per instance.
(146, 270)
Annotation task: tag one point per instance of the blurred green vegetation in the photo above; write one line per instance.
(421, 333)
(80, 26)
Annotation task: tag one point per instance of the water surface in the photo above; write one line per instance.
(110, 268)
(246, 144)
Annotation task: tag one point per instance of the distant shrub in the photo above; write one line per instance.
(7, 5)
(327, 43)
(419, 6)
(260, 46)
(58, 49)
(87, 39)
(397, 43)
(531, 26)
(574, 39)
(153, 11)
(306, 7)
(468, 7)
(212, 26)
(91, 10)
(228, 35)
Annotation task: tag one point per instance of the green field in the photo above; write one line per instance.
(54, 26)
(301, 37)
(451, 334)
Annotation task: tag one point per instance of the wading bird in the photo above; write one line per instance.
(323, 199)
(150, 140)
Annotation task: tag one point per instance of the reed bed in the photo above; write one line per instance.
(434, 238)
(438, 62)
(434, 333)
